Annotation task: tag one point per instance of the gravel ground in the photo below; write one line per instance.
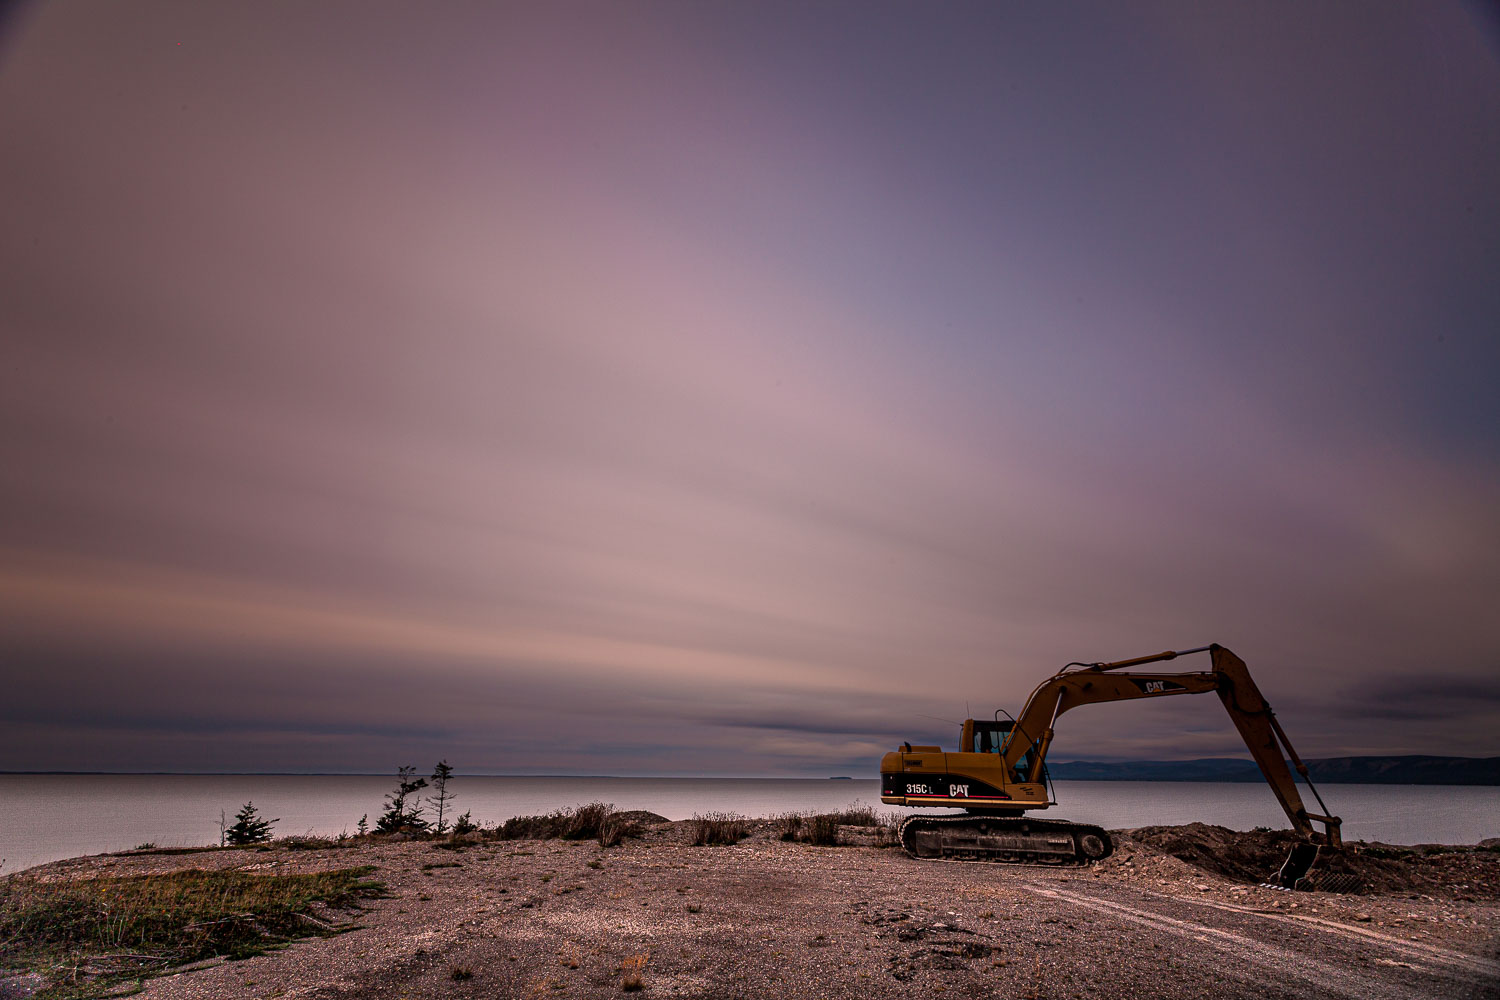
(766, 918)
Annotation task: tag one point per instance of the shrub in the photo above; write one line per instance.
(717, 828)
(597, 819)
(529, 827)
(614, 829)
(858, 814)
(249, 827)
(823, 828)
(585, 822)
(403, 809)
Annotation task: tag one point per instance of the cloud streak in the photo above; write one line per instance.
(666, 390)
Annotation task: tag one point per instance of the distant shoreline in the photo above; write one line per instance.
(1410, 769)
(466, 774)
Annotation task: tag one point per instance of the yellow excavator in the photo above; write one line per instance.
(998, 772)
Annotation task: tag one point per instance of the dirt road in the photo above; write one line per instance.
(770, 919)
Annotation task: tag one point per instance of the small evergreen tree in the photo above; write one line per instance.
(403, 809)
(249, 827)
(364, 824)
(465, 823)
(441, 775)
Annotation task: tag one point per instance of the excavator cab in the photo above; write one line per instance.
(993, 737)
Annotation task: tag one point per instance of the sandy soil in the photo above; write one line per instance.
(765, 918)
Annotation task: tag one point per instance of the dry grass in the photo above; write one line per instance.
(788, 825)
(717, 828)
(858, 814)
(596, 820)
(104, 930)
(634, 968)
(311, 843)
(823, 828)
(613, 829)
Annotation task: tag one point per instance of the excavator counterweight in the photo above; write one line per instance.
(998, 772)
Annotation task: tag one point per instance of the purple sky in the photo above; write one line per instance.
(679, 388)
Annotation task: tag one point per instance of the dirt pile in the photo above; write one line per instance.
(1471, 873)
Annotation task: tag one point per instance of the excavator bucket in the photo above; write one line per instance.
(1296, 866)
(1301, 871)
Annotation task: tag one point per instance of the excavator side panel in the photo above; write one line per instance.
(955, 780)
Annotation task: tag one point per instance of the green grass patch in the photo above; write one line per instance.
(87, 935)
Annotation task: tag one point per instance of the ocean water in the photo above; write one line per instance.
(48, 817)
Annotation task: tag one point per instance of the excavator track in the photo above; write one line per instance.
(1008, 840)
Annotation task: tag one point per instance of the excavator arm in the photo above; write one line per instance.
(1083, 684)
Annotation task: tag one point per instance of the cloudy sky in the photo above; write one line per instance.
(681, 388)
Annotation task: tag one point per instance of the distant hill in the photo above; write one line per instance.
(1413, 770)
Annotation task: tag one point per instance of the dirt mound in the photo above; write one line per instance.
(1242, 857)
(641, 816)
(1253, 856)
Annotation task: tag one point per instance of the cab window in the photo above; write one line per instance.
(990, 739)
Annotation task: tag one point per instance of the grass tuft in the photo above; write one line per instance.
(634, 968)
(717, 828)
